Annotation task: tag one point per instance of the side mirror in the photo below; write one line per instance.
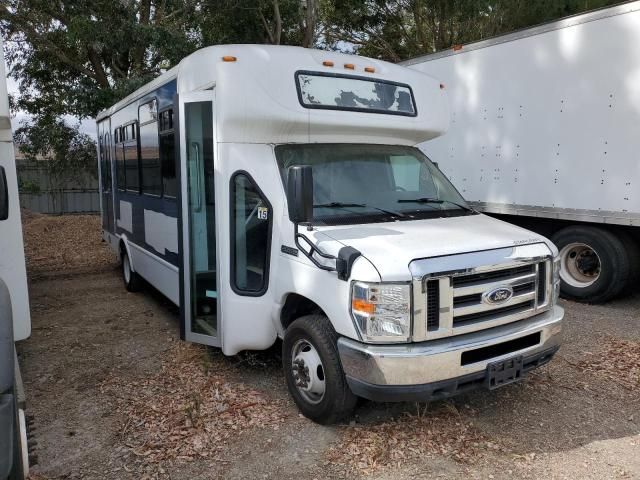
(300, 193)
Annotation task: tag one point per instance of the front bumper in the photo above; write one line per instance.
(436, 369)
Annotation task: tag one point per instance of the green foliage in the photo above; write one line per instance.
(78, 57)
(67, 155)
(28, 186)
(399, 29)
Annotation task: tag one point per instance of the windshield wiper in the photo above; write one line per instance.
(361, 205)
(436, 200)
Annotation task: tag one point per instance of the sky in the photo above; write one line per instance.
(87, 126)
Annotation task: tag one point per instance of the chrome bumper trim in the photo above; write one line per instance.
(437, 360)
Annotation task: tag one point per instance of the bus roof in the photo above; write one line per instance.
(258, 95)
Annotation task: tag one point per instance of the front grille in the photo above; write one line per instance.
(433, 305)
(461, 302)
(493, 275)
(542, 278)
(495, 313)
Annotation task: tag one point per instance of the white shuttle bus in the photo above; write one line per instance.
(276, 192)
(15, 319)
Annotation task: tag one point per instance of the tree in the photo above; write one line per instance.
(399, 29)
(66, 155)
(78, 57)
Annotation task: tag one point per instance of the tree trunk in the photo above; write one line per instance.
(308, 20)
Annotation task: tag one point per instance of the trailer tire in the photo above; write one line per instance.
(633, 251)
(132, 281)
(313, 370)
(595, 264)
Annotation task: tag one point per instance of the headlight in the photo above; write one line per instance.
(382, 311)
(555, 279)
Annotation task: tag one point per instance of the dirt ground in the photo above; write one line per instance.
(115, 394)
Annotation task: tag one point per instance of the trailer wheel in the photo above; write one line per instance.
(594, 264)
(132, 280)
(313, 370)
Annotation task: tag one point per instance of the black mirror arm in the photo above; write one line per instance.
(344, 261)
(313, 249)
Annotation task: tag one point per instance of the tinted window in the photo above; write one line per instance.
(148, 112)
(120, 171)
(168, 156)
(168, 153)
(250, 231)
(149, 155)
(131, 161)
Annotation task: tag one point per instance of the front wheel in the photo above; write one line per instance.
(313, 371)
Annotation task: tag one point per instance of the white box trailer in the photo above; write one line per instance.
(15, 320)
(545, 132)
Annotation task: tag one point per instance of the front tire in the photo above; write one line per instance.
(595, 265)
(313, 371)
(132, 280)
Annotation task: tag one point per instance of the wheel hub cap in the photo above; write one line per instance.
(308, 371)
(579, 265)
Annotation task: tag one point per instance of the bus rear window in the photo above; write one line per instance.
(353, 93)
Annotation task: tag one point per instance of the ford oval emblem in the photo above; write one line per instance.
(498, 295)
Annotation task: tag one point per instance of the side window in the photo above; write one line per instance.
(131, 160)
(120, 171)
(168, 153)
(250, 236)
(149, 154)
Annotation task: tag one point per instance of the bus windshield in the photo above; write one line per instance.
(356, 183)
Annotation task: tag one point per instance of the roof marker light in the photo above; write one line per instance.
(327, 63)
(349, 66)
(457, 47)
(369, 69)
(229, 58)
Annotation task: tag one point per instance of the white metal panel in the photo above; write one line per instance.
(12, 264)
(549, 120)
(125, 220)
(258, 102)
(158, 272)
(161, 231)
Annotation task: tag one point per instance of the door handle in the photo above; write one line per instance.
(198, 176)
(4, 195)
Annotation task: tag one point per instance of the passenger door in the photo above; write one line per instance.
(199, 273)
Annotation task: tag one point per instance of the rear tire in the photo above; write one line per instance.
(132, 280)
(595, 264)
(313, 370)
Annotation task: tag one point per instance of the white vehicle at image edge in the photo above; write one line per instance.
(276, 192)
(544, 134)
(15, 319)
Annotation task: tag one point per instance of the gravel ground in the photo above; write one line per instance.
(115, 394)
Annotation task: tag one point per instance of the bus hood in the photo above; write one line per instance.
(390, 247)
